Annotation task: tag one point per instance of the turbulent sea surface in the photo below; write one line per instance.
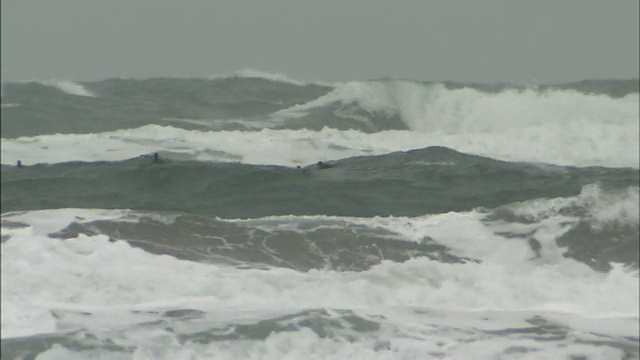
(446, 221)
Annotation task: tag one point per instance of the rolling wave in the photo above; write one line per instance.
(278, 118)
(430, 180)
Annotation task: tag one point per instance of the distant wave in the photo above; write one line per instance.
(9, 105)
(261, 122)
(68, 87)
(434, 107)
(273, 76)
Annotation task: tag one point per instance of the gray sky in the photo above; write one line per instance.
(524, 41)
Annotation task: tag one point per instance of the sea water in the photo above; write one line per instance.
(456, 221)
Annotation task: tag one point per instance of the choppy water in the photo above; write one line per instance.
(453, 221)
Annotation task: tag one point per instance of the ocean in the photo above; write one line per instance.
(254, 216)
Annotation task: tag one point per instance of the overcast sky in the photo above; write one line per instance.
(523, 41)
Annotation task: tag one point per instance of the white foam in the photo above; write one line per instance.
(68, 87)
(562, 127)
(435, 108)
(91, 273)
(45, 222)
(603, 207)
(616, 147)
(607, 208)
(307, 345)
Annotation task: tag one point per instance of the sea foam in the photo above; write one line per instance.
(586, 144)
(123, 276)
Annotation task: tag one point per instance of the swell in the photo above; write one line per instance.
(431, 180)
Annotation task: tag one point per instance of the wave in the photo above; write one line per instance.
(436, 108)
(327, 333)
(507, 277)
(589, 145)
(272, 76)
(402, 184)
(480, 247)
(597, 227)
(556, 123)
(551, 125)
(602, 209)
(68, 87)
